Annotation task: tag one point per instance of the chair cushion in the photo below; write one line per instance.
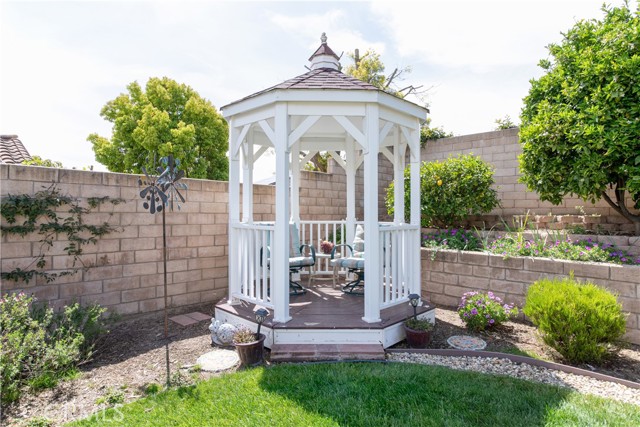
(358, 240)
(350, 262)
(300, 261)
(294, 241)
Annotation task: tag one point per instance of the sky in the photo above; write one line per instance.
(62, 61)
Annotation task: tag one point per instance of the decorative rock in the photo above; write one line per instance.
(221, 333)
(524, 371)
(466, 342)
(218, 360)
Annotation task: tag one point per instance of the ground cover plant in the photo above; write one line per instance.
(365, 395)
(39, 347)
(582, 321)
(483, 311)
(510, 245)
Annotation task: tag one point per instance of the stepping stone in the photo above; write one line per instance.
(466, 342)
(183, 320)
(189, 319)
(218, 360)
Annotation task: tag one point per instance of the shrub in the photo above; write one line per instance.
(582, 321)
(451, 190)
(457, 239)
(481, 311)
(38, 347)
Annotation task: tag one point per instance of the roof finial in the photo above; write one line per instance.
(323, 38)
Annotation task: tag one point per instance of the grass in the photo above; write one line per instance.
(351, 394)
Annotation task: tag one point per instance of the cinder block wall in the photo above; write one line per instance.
(501, 149)
(126, 267)
(447, 275)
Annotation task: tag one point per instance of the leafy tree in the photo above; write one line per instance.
(580, 127)
(39, 161)
(505, 123)
(450, 190)
(428, 133)
(167, 118)
(370, 68)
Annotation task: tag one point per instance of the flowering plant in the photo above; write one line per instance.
(482, 311)
(326, 247)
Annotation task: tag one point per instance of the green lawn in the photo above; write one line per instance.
(368, 394)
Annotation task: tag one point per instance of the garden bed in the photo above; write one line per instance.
(133, 356)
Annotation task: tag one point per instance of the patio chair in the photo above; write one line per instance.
(297, 259)
(354, 263)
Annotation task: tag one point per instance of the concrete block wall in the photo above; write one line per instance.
(447, 275)
(501, 150)
(126, 273)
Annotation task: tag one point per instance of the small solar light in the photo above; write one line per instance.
(261, 314)
(413, 300)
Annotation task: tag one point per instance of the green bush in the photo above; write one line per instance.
(582, 321)
(38, 347)
(450, 191)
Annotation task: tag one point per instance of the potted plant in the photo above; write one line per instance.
(250, 346)
(326, 247)
(417, 331)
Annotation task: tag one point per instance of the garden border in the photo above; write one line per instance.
(519, 359)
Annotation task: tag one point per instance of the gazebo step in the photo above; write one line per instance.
(317, 352)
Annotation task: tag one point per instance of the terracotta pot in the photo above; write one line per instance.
(417, 339)
(251, 353)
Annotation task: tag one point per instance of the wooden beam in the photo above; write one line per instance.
(351, 130)
(268, 131)
(302, 129)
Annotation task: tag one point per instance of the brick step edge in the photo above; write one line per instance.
(323, 352)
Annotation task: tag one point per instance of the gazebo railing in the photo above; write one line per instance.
(314, 232)
(396, 266)
(252, 258)
(398, 270)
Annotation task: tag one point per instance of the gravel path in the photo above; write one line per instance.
(524, 371)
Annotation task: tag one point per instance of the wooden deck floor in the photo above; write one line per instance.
(324, 307)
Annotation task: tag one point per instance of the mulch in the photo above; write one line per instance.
(132, 356)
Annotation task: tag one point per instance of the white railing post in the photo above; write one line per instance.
(234, 214)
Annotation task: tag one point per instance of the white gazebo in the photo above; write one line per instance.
(322, 110)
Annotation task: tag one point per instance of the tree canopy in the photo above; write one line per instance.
(39, 161)
(580, 130)
(167, 118)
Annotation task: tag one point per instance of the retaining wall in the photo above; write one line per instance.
(501, 150)
(447, 275)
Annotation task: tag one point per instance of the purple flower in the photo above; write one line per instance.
(474, 311)
(491, 321)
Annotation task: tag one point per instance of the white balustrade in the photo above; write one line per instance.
(400, 277)
(252, 243)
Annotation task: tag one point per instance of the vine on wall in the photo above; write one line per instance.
(39, 213)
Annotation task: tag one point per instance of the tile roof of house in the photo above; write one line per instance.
(12, 151)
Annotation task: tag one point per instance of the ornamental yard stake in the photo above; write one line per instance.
(161, 191)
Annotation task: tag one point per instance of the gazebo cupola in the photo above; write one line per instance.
(323, 110)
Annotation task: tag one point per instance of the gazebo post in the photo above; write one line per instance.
(234, 212)
(280, 253)
(399, 184)
(295, 183)
(247, 180)
(414, 147)
(372, 264)
(350, 170)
